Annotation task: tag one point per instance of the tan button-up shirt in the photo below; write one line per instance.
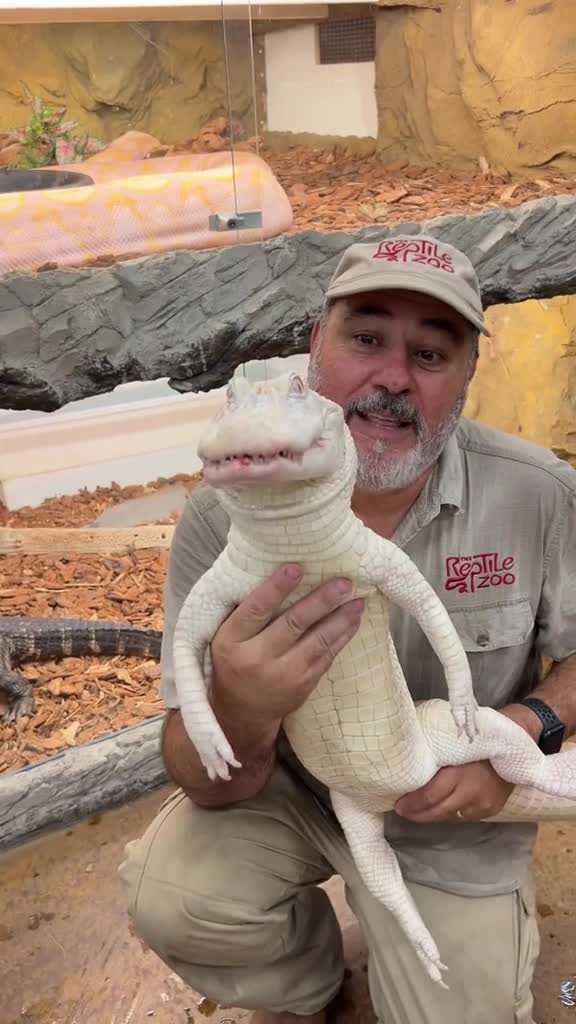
(494, 532)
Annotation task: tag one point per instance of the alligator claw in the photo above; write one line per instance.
(19, 707)
(216, 757)
(432, 963)
(466, 718)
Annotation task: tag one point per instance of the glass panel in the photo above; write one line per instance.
(122, 137)
(249, 173)
(259, 198)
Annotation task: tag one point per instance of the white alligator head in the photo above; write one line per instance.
(277, 430)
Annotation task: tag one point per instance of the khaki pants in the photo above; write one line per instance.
(229, 900)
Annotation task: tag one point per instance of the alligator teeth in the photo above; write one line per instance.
(259, 458)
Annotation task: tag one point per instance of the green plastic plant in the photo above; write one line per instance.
(48, 139)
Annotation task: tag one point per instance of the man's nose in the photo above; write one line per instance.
(393, 373)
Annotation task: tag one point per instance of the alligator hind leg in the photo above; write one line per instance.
(21, 692)
(379, 870)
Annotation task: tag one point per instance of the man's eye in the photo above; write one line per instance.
(429, 357)
(366, 339)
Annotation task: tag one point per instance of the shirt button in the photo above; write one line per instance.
(482, 639)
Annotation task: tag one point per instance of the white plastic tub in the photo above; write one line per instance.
(133, 435)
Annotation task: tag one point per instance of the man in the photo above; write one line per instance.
(224, 883)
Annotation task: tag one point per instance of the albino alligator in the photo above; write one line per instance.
(29, 639)
(284, 462)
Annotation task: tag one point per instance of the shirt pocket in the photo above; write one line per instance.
(498, 639)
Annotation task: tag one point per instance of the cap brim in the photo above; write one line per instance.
(411, 283)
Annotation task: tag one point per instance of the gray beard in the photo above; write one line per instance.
(380, 470)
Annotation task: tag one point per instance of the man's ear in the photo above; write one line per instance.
(474, 360)
(314, 336)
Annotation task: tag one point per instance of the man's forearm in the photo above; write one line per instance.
(558, 690)
(253, 745)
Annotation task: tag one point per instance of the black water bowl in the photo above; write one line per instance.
(33, 181)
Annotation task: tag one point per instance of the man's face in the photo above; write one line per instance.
(399, 363)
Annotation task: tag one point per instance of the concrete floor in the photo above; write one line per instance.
(67, 955)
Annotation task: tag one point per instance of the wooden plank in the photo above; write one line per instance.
(46, 541)
(81, 781)
(95, 15)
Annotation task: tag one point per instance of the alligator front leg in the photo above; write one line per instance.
(397, 577)
(207, 605)
(379, 870)
(21, 691)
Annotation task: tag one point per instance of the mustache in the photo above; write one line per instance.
(384, 404)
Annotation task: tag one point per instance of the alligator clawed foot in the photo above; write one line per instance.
(216, 757)
(22, 706)
(432, 963)
(466, 718)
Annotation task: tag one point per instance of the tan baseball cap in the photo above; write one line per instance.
(418, 263)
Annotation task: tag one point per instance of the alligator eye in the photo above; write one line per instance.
(296, 385)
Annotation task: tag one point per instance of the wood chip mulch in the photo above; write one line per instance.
(80, 699)
(330, 191)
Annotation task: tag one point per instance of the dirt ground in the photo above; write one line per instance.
(62, 961)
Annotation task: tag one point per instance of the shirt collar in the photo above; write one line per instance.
(448, 479)
(445, 487)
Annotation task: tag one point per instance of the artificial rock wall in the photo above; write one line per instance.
(526, 377)
(466, 79)
(165, 78)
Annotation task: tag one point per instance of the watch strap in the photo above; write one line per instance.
(552, 727)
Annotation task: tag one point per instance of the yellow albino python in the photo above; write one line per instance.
(139, 207)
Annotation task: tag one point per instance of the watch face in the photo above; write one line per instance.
(552, 739)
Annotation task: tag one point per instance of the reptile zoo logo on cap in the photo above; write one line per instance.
(469, 573)
(421, 251)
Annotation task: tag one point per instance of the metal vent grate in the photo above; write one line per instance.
(346, 41)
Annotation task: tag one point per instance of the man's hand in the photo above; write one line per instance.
(266, 663)
(475, 789)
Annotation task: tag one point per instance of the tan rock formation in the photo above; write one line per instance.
(164, 78)
(526, 379)
(474, 78)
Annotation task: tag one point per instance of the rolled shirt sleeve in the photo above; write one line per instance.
(556, 617)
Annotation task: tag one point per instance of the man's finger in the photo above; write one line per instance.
(429, 798)
(445, 809)
(262, 605)
(316, 651)
(289, 627)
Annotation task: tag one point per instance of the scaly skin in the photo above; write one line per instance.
(23, 638)
(359, 732)
(139, 207)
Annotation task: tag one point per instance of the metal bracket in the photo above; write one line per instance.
(235, 221)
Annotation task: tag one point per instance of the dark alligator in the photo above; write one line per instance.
(30, 639)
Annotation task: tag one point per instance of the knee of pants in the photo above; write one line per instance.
(193, 904)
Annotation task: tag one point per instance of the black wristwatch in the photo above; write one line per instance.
(552, 736)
